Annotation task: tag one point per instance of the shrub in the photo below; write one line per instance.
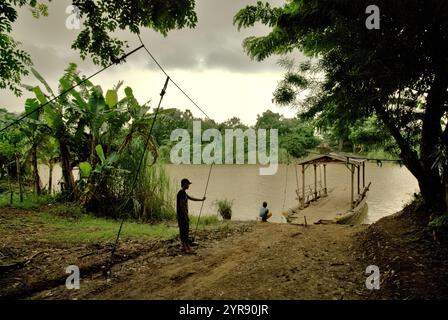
(70, 211)
(440, 222)
(224, 207)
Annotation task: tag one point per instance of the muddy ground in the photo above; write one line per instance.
(246, 260)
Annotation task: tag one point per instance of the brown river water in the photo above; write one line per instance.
(392, 187)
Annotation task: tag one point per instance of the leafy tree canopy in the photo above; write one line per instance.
(100, 20)
(397, 72)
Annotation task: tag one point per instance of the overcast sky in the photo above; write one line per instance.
(208, 62)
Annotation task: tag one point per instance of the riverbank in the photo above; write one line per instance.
(237, 260)
(413, 264)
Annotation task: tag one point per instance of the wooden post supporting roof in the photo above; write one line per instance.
(325, 180)
(363, 175)
(351, 163)
(303, 186)
(352, 186)
(358, 168)
(297, 177)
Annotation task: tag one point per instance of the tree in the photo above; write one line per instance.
(369, 135)
(49, 155)
(397, 72)
(233, 123)
(14, 60)
(296, 136)
(12, 151)
(100, 20)
(35, 132)
(61, 120)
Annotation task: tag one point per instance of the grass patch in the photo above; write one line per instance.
(205, 221)
(381, 154)
(70, 224)
(30, 200)
(87, 228)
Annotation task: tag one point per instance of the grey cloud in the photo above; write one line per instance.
(215, 39)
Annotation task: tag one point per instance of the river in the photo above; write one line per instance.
(392, 187)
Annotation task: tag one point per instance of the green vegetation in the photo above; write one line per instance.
(70, 223)
(29, 200)
(224, 208)
(101, 134)
(204, 221)
(440, 223)
(296, 137)
(87, 228)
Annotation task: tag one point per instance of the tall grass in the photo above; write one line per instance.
(154, 194)
(224, 208)
(132, 189)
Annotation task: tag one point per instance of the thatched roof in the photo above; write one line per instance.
(331, 158)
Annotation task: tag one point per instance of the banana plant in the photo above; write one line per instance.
(35, 132)
(49, 155)
(92, 175)
(59, 121)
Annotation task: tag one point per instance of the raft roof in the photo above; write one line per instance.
(332, 158)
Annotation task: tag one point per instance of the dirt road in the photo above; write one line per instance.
(271, 261)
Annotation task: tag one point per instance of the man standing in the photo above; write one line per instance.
(182, 214)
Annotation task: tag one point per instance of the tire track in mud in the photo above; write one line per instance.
(86, 270)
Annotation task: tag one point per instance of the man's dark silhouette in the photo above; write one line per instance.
(182, 214)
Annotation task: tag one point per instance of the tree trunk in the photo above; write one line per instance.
(11, 192)
(19, 177)
(50, 177)
(67, 172)
(36, 178)
(432, 183)
(433, 191)
(341, 145)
